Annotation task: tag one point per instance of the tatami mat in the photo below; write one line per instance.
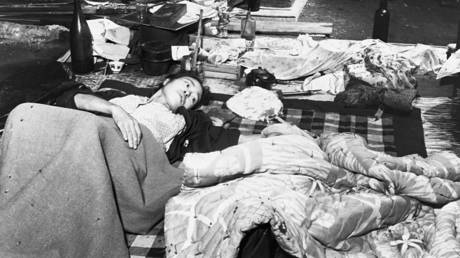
(441, 123)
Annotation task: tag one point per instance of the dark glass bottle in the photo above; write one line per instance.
(81, 42)
(381, 22)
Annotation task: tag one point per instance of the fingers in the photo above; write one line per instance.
(123, 131)
(127, 134)
(138, 132)
(133, 134)
(128, 125)
(131, 137)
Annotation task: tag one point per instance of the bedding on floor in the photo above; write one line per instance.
(395, 135)
(314, 207)
(317, 206)
(408, 130)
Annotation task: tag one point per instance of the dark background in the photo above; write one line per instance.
(411, 21)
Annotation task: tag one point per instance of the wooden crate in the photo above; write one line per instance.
(221, 71)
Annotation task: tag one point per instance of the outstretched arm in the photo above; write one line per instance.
(127, 124)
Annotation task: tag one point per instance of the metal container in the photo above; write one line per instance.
(156, 57)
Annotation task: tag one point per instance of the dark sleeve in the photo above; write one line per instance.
(221, 138)
(200, 135)
(126, 88)
(206, 137)
(67, 100)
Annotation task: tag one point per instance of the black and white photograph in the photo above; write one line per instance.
(229, 128)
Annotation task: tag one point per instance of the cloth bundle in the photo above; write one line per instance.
(362, 95)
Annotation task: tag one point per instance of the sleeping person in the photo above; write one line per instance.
(166, 112)
(156, 112)
(72, 182)
(71, 186)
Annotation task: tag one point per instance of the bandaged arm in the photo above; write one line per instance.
(204, 169)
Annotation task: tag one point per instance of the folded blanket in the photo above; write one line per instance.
(70, 185)
(349, 151)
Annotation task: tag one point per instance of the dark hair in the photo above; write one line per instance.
(181, 74)
(205, 96)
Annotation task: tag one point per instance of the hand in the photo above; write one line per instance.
(128, 126)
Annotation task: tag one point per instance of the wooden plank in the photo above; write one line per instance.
(222, 71)
(220, 75)
(286, 28)
(223, 68)
(272, 13)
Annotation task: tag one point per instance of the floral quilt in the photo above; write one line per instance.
(326, 197)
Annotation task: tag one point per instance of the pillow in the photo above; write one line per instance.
(255, 103)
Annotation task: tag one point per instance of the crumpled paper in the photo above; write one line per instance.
(104, 30)
(110, 40)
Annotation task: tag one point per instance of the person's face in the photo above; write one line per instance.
(184, 91)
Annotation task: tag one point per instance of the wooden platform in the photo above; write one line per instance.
(276, 14)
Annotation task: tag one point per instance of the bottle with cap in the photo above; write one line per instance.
(81, 42)
(381, 22)
(248, 30)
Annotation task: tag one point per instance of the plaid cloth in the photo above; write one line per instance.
(379, 134)
(151, 245)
